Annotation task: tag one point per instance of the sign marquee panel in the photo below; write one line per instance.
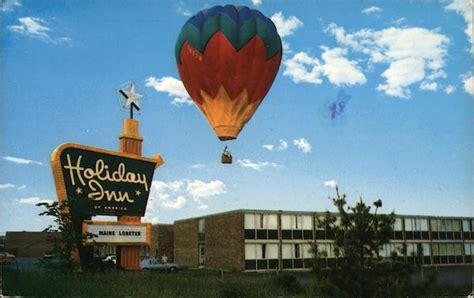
(115, 233)
(103, 182)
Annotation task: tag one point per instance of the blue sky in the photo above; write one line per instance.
(402, 132)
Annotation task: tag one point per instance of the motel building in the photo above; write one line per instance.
(267, 240)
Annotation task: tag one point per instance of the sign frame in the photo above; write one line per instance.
(86, 223)
(59, 177)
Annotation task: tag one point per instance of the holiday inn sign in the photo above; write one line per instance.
(103, 182)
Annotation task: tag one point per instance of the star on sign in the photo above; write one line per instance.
(138, 193)
(132, 97)
(78, 190)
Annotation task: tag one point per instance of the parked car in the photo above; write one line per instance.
(6, 258)
(158, 265)
(110, 258)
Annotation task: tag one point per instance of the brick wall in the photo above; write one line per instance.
(162, 241)
(185, 242)
(225, 242)
(30, 244)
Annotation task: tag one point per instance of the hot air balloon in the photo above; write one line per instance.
(227, 58)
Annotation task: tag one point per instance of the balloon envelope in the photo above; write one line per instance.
(227, 58)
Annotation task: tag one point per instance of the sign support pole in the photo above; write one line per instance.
(130, 142)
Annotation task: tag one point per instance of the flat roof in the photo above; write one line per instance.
(295, 212)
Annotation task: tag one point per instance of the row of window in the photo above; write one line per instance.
(261, 234)
(305, 222)
(270, 251)
(297, 256)
(270, 221)
(261, 251)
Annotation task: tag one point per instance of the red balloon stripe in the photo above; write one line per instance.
(222, 65)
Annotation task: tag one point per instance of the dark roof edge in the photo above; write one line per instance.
(308, 213)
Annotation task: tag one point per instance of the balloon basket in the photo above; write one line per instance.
(226, 159)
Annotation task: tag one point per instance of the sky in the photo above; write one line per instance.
(375, 97)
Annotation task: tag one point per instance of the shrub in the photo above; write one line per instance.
(289, 283)
(233, 290)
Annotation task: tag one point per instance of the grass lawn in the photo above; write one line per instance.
(190, 283)
(154, 284)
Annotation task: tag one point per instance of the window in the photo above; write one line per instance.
(306, 250)
(286, 251)
(307, 222)
(286, 222)
(422, 224)
(465, 225)
(456, 226)
(249, 221)
(298, 222)
(449, 225)
(425, 249)
(271, 251)
(271, 222)
(250, 252)
(297, 251)
(434, 224)
(201, 226)
(458, 249)
(467, 249)
(408, 224)
(397, 225)
(319, 225)
(442, 225)
(411, 249)
(435, 249)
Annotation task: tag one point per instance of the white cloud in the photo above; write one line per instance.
(200, 189)
(330, 183)
(33, 201)
(181, 10)
(7, 186)
(335, 66)
(412, 54)
(198, 166)
(429, 86)
(302, 68)
(203, 206)
(269, 147)
(303, 145)
(257, 166)
(173, 87)
(165, 195)
(371, 10)
(468, 83)
(19, 160)
(286, 26)
(399, 21)
(257, 2)
(173, 194)
(339, 70)
(400, 75)
(10, 5)
(178, 203)
(37, 28)
(465, 9)
(282, 146)
(449, 89)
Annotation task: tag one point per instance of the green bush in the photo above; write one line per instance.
(289, 283)
(326, 289)
(233, 290)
